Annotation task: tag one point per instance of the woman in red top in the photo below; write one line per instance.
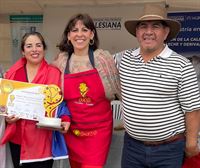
(90, 82)
(31, 146)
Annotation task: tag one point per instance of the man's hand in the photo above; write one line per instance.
(191, 151)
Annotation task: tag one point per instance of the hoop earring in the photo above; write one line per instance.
(91, 42)
(68, 42)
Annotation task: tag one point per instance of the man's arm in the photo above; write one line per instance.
(192, 122)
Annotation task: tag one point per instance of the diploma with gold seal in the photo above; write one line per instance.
(28, 100)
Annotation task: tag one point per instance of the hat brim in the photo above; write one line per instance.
(174, 26)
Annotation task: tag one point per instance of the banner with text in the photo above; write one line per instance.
(187, 42)
(108, 23)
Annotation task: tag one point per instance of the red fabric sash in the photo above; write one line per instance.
(46, 74)
(42, 76)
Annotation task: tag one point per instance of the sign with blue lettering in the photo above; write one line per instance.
(187, 42)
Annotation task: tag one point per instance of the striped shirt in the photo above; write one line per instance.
(157, 94)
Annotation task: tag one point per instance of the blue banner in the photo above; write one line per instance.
(187, 42)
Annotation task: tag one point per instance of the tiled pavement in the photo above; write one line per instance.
(114, 158)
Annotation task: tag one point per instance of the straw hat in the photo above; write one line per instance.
(154, 13)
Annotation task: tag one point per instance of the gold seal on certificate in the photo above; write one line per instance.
(53, 98)
(30, 101)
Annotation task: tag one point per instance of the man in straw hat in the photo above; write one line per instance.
(160, 95)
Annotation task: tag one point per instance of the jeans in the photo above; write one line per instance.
(137, 155)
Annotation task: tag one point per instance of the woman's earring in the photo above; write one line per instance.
(91, 42)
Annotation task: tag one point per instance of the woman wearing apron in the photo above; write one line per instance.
(90, 82)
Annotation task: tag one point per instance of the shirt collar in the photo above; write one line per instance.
(166, 52)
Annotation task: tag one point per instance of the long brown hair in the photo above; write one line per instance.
(88, 22)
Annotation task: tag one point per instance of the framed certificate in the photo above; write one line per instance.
(28, 100)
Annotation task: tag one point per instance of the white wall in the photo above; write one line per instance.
(55, 20)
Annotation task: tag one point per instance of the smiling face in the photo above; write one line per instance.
(80, 37)
(33, 49)
(151, 36)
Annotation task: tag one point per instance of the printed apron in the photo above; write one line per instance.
(90, 133)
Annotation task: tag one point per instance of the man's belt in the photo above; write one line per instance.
(166, 141)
